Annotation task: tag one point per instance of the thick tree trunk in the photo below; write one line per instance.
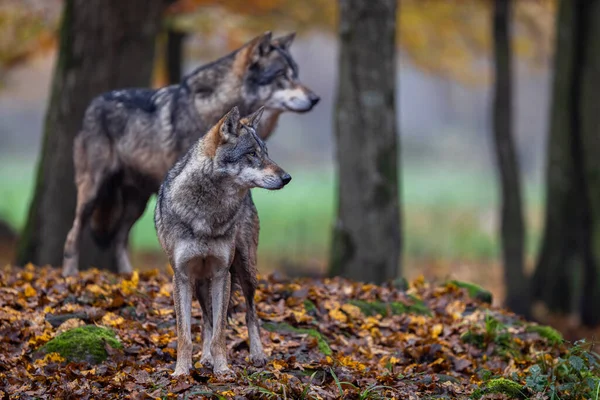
(589, 111)
(104, 44)
(567, 277)
(366, 237)
(174, 59)
(511, 220)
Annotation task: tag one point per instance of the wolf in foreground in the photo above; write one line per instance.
(130, 138)
(208, 226)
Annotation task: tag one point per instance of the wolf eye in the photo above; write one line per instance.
(253, 154)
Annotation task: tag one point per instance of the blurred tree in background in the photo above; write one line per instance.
(366, 237)
(104, 44)
(567, 277)
(442, 37)
(512, 226)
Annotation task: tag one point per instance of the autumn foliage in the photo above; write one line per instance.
(450, 39)
(325, 339)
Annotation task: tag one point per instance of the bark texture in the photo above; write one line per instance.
(567, 276)
(104, 45)
(175, 41)
(366, 237)
(512, 227)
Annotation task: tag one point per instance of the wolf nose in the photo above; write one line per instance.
(314, 99)
(286, 178)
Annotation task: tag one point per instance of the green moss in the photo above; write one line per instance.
(476, 339)
(549, 333)
(283, 327)
(85, 343)
(310, 307)
(500, 386)
(400, 284)
(370, 308)
(475, 291)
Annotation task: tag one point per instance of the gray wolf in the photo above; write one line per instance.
(130, 138)
(208, 226)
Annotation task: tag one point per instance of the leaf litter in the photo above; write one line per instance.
(325, 339)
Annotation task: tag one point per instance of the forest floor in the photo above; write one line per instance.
(325, 339)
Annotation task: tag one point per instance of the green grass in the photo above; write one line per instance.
(447, 213)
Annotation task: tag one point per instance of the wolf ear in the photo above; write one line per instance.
(229, 124)
(253, 51)
(223, 131)
(253, 119)
(284, 41)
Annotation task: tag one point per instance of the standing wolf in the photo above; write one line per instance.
(207, 224)
(130, 138)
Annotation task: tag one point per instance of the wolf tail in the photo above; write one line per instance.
(106, 217)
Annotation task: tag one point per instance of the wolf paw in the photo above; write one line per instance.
(206, 360)
(223, 372)
(258, 360)
(69, 270)
(182, 369)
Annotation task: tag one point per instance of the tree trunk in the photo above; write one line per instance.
(511, 220)
(104, 44)
(366, 237)
(589, 145)
(567, 277)
(174, 59)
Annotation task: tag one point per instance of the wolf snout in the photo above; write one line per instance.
(314, 99)
(286, 178)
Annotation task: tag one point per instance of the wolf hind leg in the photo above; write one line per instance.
(134, 206)
(244, 264)
(204, 298)
(87, 194)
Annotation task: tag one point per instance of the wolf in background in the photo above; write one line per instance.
(208, 225)
(130, 138)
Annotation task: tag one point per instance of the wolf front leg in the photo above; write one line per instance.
(182, 295)
(203, 296)
(220, 286)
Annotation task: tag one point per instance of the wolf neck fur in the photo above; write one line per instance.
(223, 87)
(200, 177)
(217, 87)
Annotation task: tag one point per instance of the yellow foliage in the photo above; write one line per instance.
(111, 319)
(27, 276)
(350, 363)
(160, 340)
(338, 315)
(29, 291)
(130, 285)
(165, 290)
(278, 364)
(40, 339)
(301, 316)
(97, 290)
(352, 310)
(49, 358)
(436, 330)
(447, 38)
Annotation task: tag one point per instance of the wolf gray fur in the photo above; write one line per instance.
(208, 226)
(130, 138)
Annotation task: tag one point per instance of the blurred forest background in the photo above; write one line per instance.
(445, 78)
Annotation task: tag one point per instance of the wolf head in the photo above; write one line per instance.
(270, 75)
(237, 152)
